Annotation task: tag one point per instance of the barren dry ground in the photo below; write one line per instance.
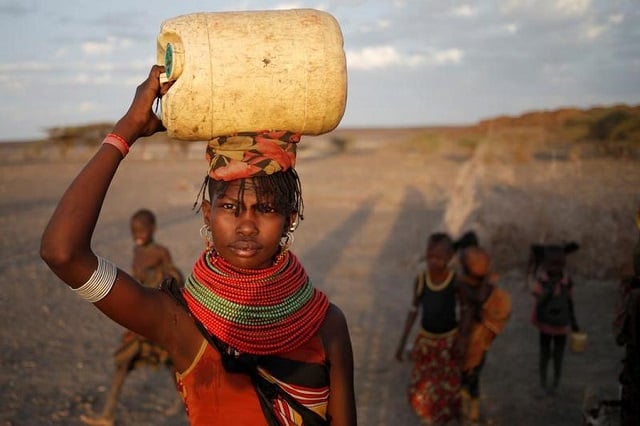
(368, 211)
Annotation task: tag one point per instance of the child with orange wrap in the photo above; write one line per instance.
(484, 312)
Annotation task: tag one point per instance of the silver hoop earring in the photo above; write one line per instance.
(287, 240)
(207, 236)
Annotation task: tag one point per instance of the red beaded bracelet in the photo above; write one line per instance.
(118, 142)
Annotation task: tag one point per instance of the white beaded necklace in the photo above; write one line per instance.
(442, 285)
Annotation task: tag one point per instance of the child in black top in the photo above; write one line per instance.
(435, 379)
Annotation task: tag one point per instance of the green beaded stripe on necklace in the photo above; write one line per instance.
(247, 314)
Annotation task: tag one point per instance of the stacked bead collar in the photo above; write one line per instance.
(260, 312)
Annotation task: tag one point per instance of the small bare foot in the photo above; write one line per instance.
(96, 420)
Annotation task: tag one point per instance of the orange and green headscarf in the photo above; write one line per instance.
(251, 154)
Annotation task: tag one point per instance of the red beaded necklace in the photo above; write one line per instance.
(260, 312)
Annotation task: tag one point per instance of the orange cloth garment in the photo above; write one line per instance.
(496, 311)
(214, 396)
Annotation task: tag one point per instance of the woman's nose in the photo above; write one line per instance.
(246, 223)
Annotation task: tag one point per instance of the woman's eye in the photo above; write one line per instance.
(228, 206)
(266, 208)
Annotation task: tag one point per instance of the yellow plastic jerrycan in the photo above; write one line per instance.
(249, 71)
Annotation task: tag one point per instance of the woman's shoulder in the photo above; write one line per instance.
(334, 330)
(334, 319)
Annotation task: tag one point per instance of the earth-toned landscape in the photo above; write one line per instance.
(371, 196)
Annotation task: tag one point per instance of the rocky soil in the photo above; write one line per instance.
(371, 199)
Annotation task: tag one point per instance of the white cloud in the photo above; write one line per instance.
(449, 56)
(61, 52)
(97, 48)
(558, 74)
(511, 28)
(20, 67)
(108, 46)
(92, 79)
(464, 10)
(11, 84)
(509, 6)
(547, 8)
(381, 24)
(373, 57)
(573, 7)
(616, 19)
(386, 56)
(87, 106)
(594, 31)
(384, 23)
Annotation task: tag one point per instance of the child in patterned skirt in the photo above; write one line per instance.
(435, 378)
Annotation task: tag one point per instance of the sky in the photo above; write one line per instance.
(409, 62)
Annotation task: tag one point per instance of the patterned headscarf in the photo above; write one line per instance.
(251, 154)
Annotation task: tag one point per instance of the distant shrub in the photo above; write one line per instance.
(615, 130)
(87, 134)
(468, 142)
(609, 124)
(339, 143)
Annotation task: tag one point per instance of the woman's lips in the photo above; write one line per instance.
(245, 248)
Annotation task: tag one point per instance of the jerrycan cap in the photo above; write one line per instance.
(173, 57)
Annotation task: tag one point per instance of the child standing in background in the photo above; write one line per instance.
(152, 263)
(484, 312)
(435, 380)
(553, 312)
(627, 333)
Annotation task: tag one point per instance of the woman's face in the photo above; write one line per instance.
(245, 233)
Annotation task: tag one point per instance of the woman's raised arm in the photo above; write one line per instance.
(66, 242)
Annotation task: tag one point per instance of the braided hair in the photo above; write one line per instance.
(283, 189)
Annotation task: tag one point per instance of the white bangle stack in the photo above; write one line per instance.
(100, 282)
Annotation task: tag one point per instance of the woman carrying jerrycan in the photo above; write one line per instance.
(253, 342)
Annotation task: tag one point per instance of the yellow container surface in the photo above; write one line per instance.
(249, 71)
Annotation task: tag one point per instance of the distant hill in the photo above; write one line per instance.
(606, 130)
(615, 124)
(607, 123)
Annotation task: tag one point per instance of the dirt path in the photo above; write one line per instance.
(368, 212)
